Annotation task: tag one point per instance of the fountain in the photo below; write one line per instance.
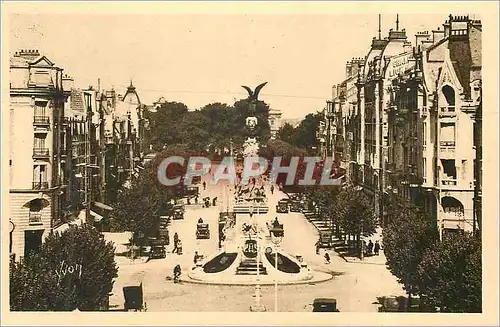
(248, 255)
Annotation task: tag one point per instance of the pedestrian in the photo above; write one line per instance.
(214, 202)
(179, 247)
(188, 201)
(377, 247)
(204, 185)
(370, 247)
(318, 244)
(272, 189)
(196, 199)
(327, 258)
(176, 239)
(207, 202)
(195, 257)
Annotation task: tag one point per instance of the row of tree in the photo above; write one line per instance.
(349, 209)
(445, 273)
(216, 127)
(304, 135)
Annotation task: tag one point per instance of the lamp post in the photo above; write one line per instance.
(276, 238)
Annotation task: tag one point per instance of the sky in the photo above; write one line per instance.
(204, 58)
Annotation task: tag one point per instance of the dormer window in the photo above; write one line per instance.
(41, 77)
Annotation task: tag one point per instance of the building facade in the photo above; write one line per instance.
(70, 150)
(274, 122)
(37, 179)
(413, 126)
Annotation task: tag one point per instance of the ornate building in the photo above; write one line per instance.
(274, 121)
(37, 188)
(414, 127)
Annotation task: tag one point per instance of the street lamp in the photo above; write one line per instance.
(276, 237)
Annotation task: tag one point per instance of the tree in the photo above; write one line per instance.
(305, 136)
(450, 273)
(193, 131)
(74, 269)
(354, 213)
(286, 133)
(164, 124)
(409, 233)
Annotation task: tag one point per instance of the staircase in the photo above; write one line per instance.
(249, 267)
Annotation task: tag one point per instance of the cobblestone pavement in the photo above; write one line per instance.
(355, 286)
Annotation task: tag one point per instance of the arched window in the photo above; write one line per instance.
(449, 95)
(452, 205)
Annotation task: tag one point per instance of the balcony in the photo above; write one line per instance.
(448, 182)
(41, 153)
(448, 111)
(35, 218)
(40, 185)
(41, 121)
(447, 149)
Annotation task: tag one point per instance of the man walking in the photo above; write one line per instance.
(370, 247)
(176, 238)
(204, 185)
(377, 248)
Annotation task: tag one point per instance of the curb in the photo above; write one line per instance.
(252, 283)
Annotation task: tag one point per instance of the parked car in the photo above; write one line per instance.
(295, 206)
(178, 212)
(325, 305)
(157, 252)
(202, 231)
(282, 206)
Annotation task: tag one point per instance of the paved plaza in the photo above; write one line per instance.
(356, 285)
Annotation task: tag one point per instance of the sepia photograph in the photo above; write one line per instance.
(250, 158)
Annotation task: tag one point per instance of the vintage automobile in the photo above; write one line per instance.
(282, 206)
(178, 212)
(193, 191)
(157, 252)
(163, 235)
(295, 206)
(134, 298)
(325, 305)
(202, 231)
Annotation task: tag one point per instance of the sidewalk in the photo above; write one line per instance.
(368, 259)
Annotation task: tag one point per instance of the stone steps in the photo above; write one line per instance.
(249, 267)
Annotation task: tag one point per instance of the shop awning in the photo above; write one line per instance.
(97, 217)
(102, 206)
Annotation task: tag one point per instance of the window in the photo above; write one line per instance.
(40, 108)
(39, 173)
(42, 77)
(424, 134)
(424, 171)
(449, 168)
(449, 95)
(39, 142)
(447, 134)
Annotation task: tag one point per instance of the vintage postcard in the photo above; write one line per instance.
(250, 163)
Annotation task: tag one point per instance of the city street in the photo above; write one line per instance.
(355, 286)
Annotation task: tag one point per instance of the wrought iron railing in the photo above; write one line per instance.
(40, 152)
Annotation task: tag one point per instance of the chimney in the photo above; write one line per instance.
(421, 36)
(437, 35)
(446, 26)
(348, 69)
(67, 82)
(334, 91)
